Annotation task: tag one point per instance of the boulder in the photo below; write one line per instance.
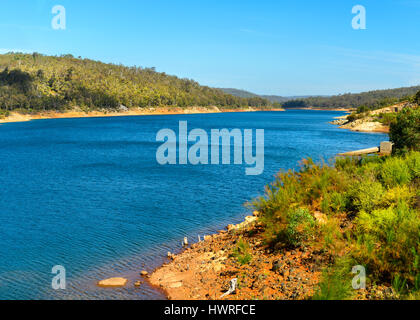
(175, 285)
(250, 219)
(113, 283)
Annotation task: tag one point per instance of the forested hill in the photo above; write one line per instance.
(239, 93)
(272, 98)
(363, 101)
(34, 82)
(366, 100)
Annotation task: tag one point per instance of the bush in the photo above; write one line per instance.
(241, 252)
(300, 227)
(389, 243)
(417, 98)
(395, 171)
(387, 118)
(336, 282)
(405, 131)
(398, 195)
(365, 195)
(4, 114)
(413, 162)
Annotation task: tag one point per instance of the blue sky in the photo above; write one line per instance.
(299, 47)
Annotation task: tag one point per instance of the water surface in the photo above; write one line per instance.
(88, 194)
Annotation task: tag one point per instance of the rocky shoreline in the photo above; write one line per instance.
(361, 125)
(205, 270)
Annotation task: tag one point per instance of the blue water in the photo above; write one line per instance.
(88, 194)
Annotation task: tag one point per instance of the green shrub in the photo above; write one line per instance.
(365, 195)
(336, 282)
(413, 162)
(4, 114)
(242, 252)
(354, 116)
(395, 171)
(389, 242)
(405, 131)
(387, 118)
(339, 201)
(417, 98)
(300, 227)
(398, 195)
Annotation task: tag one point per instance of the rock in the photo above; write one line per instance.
(277, 266)
(320, 217)
(255, 213)
(113, 283)
(123, 108)
(137, 283)
(250, 219)
(231, 227)
(176, 285)
(144, 273)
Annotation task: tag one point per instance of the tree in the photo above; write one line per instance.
(417, 98)
(405, 131)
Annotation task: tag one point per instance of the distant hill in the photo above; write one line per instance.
(35, 82)
(239, 93)
(282, 99)
(363, 101)
(271, 98)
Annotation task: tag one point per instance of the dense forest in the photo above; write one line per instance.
(35, 82)
(363, 101)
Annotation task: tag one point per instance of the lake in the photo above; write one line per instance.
(88, 194)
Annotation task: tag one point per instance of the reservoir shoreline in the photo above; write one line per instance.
(18, 117)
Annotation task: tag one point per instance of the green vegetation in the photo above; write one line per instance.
(34, 83)
(405, 131)
(417, 98)
(242, 252)
(387, 118)
(239, 93)
(336, 283)
(358, 211)
(362, 101)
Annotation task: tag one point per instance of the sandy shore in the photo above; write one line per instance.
(18, 117)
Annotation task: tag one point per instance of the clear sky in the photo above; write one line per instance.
(299, 47)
